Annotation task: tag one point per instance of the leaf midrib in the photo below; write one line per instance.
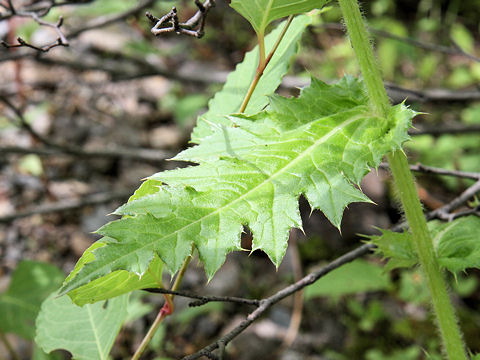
(279, 172)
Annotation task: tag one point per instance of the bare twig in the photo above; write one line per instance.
(192, 74)
(56, 149)
(266, 303)
(202, 300)
(108, 20)
(455, 50)
(443, 130)
(192, 27)
(438, 171)
(136, 154)
(445, 212)
(68, 205)
(61, 39)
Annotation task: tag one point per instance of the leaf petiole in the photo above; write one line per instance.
(167, 309)
(263, 62)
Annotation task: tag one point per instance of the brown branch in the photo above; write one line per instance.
(438, 171)
(136, 154)
(68, 205)
(148, 155)
(443, 130)
(267, 303)
(445, 212)
(455, 50)
(61, 39)
(202, 300)
(192, 27)
(108, 20)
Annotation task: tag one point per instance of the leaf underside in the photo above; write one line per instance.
(86, 332)
(251, 173)
(260, 13)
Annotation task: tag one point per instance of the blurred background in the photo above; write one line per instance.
(80, 126)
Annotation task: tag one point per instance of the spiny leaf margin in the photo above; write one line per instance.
(254, 179)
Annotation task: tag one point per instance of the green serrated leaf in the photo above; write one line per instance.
(260, 13)
(457, 243)
(397, 247)
(31, 283)
(356, 277)
(252, 174)
(114, 284)
(87, 332)
(228, 100)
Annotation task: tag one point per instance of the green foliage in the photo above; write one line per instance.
(456, 245)
(114, 284)
(462, 37)
(410, 353)
(228, 100)
(260, 13)
(355, 277)
(252, 173)
(31, 283)
(397, 247)
(87, 332)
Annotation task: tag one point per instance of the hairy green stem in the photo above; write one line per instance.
(165, 311)
(405, 185)
(263, 62)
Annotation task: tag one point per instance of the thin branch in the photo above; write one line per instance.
(61, 39)
(438, 171)
(266, 303)
(108, 20)
(455, 50)
(445, 212)
(192, 27)
(201, 75)
(55, 148)
(68, 205)
(205, 299)
(136, 154)
(443, 130)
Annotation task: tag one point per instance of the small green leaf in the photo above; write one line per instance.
(31, 283)
(260, 13)
(87, 332)
(397, 247)
(457, 243)
(355, 277)
(462, 37)
(228, 100)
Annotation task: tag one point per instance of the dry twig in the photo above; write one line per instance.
(192, 27)
(61, 38)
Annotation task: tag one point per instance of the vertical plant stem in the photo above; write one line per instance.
(263, 62)
(405, 185)
(165, 311)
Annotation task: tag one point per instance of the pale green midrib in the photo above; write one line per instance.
(301, 156)
(267, 142)
(265, 15)
(97, 339)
